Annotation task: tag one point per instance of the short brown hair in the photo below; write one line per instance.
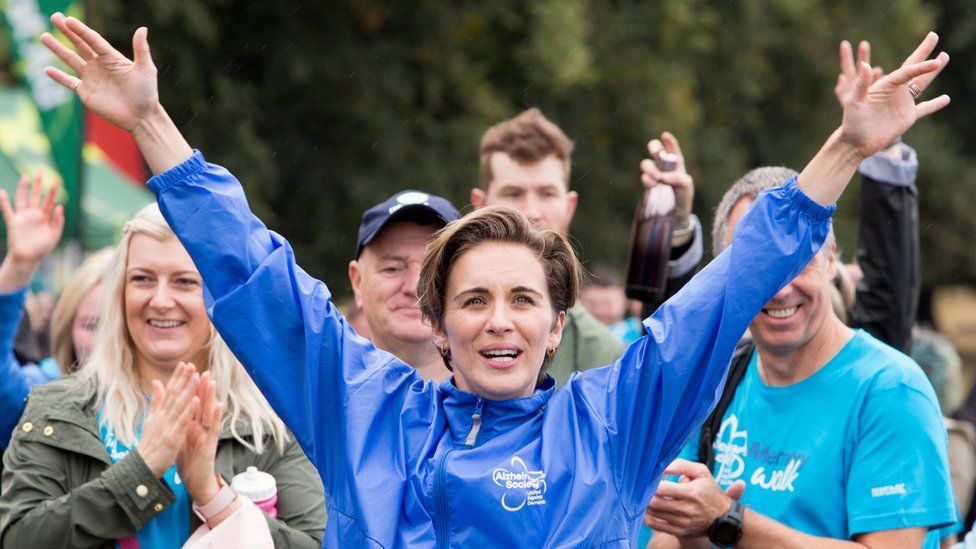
(528, 138)
(497, 224)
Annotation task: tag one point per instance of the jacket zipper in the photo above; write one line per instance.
(475, 424)
(440, 497)
(440, 478)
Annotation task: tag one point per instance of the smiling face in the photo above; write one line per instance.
(539, 190)
(498, 320)
(164, 310)
(384, 281)
(799, 311)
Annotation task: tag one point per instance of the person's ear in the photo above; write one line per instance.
(478, 198)
(356, 279)
(832, 262)
(556, 334)
(572, 198)
(440, 338)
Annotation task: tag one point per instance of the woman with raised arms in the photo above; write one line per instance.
(494, 456)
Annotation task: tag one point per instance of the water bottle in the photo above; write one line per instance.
(258, 487)
(650, 239)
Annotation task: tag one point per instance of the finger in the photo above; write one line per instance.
(35, 191)
(926, 108)
(923, 50)
(21, 201)
(60, 22)
(188, 393)
(692, 469)
(63, 52)
(909, 72)
(676, 518)
(8, 211)
(876, 74)
(94, 40)
(654, 147)
(183, 420)
(57, 219)
(863, 81)
(864, 52)
(924, 80)
(215, 416)
(51, 198)
(63, 78)
(736, 490)
(663, 505)
(846, 59)
(672, 146)
(158, 396)
(674, 179)
(661, 525)
(673, 490)
(650, 168)
(140, 47)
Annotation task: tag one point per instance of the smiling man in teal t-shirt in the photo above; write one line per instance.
(831, 434)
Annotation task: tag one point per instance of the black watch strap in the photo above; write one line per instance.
(726, 531)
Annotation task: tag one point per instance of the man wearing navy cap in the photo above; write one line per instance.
(389, 251)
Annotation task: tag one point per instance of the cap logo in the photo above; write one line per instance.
(410, 198)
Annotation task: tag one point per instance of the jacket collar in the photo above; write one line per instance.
(474, 420)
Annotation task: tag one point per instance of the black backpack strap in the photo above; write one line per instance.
(710, 429)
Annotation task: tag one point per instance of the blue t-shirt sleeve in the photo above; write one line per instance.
(899, 475)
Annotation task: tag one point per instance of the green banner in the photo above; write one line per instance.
(62, 115)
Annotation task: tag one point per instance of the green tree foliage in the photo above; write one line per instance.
(325, 108)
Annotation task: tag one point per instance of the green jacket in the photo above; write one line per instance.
(586, 344)
(59, 488)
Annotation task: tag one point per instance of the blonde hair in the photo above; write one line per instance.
(112, 369)
(89, 275)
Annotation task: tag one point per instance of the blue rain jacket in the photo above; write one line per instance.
(408, 463)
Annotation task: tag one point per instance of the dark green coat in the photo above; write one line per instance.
(59, 488)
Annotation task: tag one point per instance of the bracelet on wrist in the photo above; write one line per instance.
(224, 498)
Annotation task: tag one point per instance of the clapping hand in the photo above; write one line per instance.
(170, 413)
(196, 458)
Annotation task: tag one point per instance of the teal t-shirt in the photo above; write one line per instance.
(857, 447)
(171, 527)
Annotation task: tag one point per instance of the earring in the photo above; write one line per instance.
(550, 351)
(445, 351)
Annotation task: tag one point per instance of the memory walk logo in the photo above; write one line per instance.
(522, 487)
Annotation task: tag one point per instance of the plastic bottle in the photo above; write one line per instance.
(259, 487)
(650, 240)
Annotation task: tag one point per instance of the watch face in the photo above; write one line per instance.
(724, 534)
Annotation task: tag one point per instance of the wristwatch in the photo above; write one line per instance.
(726, 531)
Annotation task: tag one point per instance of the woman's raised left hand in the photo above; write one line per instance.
(121, 90)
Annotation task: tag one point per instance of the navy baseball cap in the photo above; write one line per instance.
(415, 206)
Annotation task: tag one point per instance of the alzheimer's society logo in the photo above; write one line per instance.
(522, 487)
(730, 447)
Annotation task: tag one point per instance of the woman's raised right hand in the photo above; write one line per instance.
(169, 416)
(118, 89)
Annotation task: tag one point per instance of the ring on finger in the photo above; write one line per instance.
(914, 90)
(205, 427)
(74, 87)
